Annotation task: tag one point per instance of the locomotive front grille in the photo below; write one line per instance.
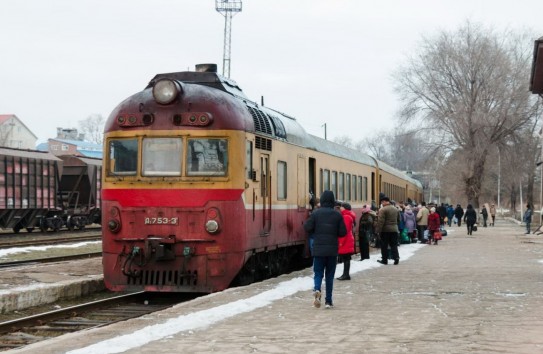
(165, 278)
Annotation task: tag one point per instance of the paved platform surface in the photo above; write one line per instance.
(470, 294)
(39, 284)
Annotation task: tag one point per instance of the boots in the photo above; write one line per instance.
(346, 268)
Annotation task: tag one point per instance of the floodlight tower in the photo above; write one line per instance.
(227, 8)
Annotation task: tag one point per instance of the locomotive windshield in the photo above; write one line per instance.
(207, 157)
(162, 156)
(123, 156)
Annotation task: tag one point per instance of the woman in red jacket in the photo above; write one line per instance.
(434, 222)
(346, 244)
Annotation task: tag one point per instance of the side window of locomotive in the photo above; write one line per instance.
(123, 157)
(162, 156)
(207, 157)
(249, 159)
(281, 180)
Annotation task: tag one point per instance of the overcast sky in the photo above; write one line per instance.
(319, 61)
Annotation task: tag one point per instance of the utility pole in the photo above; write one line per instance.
(227, 8)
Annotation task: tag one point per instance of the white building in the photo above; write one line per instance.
(15, 134)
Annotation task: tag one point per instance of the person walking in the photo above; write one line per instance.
(450, 214)
(365, 231)
(326, 225)
(434, 225)
(422, 221)
(346, 244)
(442, 212)
(458, 214)
(484, 212)
(528, 218)
(492, 214)
(387, 226)
(470, 218)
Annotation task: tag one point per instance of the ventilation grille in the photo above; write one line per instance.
(267, 123)
(263, 143)
(165, 277)
(262, 123)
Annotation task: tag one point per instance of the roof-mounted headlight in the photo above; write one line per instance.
(165, 91)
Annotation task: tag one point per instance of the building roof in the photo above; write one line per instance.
(5, 117)
(85, 148)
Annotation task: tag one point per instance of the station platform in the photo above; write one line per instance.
(469, 294)
(40, 284)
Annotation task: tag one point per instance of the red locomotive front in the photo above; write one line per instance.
(173, 213)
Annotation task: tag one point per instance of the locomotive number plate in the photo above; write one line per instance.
(161, 221)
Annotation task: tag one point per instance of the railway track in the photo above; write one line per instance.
(72, 257)
(20, 332)
(47, 240)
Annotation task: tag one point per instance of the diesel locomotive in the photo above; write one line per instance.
(203, 188)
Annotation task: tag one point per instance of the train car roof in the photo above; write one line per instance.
(276, 124)
(34, 154)
(387, 168)
(73, 160)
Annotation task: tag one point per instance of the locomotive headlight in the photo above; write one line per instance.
(114, 226)
(212, 226)
(165, 91)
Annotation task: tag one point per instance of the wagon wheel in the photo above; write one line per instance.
(17, 228)
(29, 229)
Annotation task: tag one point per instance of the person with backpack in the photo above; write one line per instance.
(365, 231)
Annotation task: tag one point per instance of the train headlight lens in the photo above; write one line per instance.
(114, 226)
(166, 91)
(212, 226)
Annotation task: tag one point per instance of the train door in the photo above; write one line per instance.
(265, 193)
(373, 188)
(312, 182)
(302, 182)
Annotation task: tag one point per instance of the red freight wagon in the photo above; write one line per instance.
(79, 190)
(28, 187)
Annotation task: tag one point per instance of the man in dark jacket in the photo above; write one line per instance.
(326, 225)
(459, 213)
(387, 226)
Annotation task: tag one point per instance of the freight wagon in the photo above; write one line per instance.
(41, 190)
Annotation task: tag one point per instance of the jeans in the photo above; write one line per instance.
(321, 266)
(528, 228)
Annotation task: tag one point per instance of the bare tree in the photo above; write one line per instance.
(469, 88)
(344, 140)
(93, 127)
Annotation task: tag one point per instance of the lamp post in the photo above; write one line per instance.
(227, 8)
(499, 178)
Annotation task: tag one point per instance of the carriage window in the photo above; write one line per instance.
(207, 157)
(123, 157)
(341, 186)
(162, 156)
(333, 184)
(326, 180)
(281, 180)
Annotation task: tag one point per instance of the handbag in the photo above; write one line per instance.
(474, 227)
(437, 235)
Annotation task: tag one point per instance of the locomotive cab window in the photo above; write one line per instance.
(123, 157)
(207, 157)
(162, 156)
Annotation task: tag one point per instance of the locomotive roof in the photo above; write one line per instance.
(276, 124)
(211, 79)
